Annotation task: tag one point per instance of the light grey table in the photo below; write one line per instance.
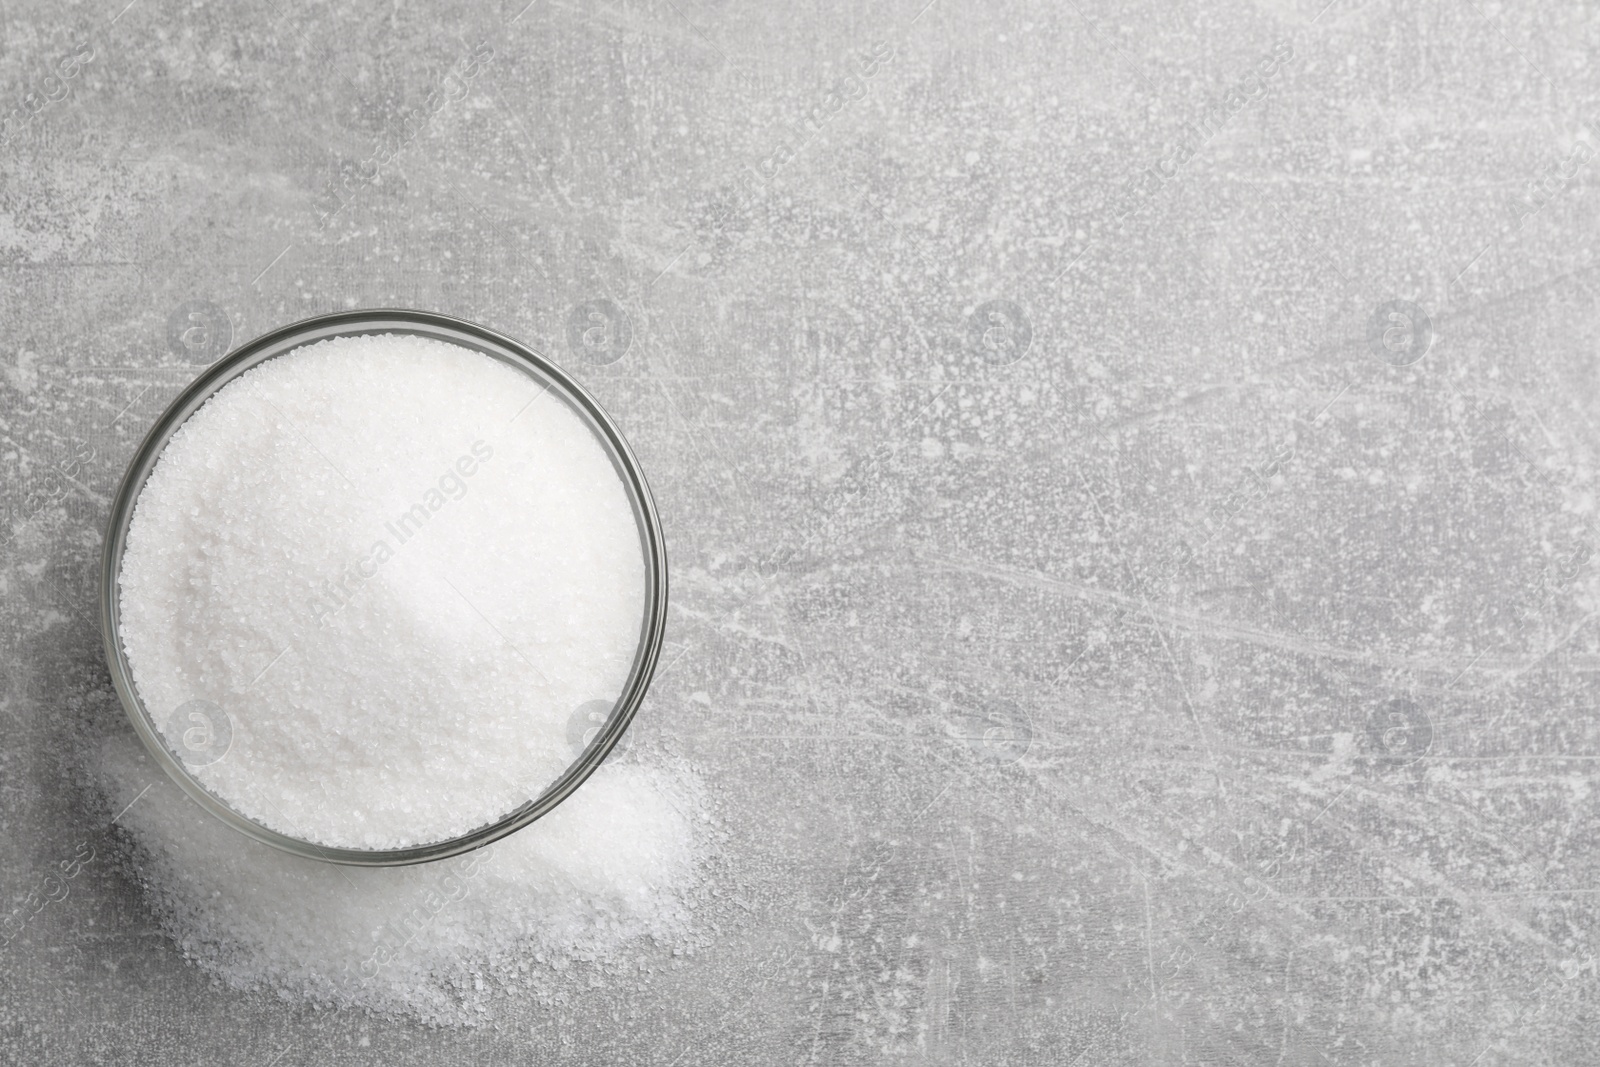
(1128, 469)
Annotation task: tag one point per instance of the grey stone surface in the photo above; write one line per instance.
(1129, 471)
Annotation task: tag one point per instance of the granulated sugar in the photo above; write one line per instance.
(387, 571)
(600, 888)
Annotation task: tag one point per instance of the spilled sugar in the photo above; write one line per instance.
(370, 584)
(604, 885)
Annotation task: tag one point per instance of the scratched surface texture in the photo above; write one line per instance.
(1128, 469)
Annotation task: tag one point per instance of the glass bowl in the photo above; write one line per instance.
(467, 335)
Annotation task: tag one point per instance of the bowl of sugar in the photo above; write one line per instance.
(382, 587)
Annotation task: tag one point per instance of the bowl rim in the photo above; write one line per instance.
(468, 334)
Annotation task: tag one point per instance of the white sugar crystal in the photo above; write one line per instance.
(564, 904)
(398, 568)
(403, 578)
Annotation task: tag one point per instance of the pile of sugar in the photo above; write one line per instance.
(598, 892)
(388, 572)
